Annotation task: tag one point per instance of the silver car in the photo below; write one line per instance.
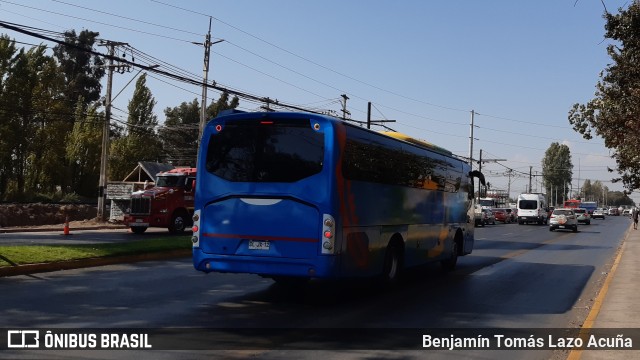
(563, 218)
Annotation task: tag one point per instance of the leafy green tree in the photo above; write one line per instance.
(83, 150)
(8, 53)
(179, 133)
(223, 103)
(141, 142)
(557, 168)
(82, 70)
(617, 198)
(47, 163)
(181, 128)
(614, 112)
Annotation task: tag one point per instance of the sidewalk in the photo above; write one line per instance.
(619, 299)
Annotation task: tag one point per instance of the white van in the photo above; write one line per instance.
(532, 208)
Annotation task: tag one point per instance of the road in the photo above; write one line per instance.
(519, 276)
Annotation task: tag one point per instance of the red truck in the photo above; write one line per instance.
(169, 203)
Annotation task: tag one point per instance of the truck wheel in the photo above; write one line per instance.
(138, 229)
(178, 222)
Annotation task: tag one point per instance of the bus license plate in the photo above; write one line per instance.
(258, 245)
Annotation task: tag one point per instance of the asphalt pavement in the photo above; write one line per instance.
(614, 308)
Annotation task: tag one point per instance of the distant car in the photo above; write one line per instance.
(626, 212)
(501, 215)
(614, 212)
(488, 217)
(598, 214)
(563, 218)
(513, 214)
(582, 215)
(478, 216)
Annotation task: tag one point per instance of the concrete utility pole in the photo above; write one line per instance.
(530, 169)
(369, 121)
(102, 185)
(471, 140)
(345, 112)
(205, 71)
(480, 162)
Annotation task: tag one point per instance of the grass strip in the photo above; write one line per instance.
(35, 254)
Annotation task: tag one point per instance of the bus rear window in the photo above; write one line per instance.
(265, 152)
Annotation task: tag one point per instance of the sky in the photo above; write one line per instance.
(427, 64)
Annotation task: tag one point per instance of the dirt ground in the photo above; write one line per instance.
(38, 214)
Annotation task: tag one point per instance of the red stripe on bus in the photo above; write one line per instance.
(260, 237)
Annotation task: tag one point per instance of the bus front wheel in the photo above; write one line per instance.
(450, 263)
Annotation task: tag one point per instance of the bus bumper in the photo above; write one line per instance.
(323, 266)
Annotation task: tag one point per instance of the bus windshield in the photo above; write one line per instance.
(259, 152)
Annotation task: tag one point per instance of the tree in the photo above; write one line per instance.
(82, 70)
(8, 53)
(141, 143)
(557, 168)
(614, 112)
(181, 128)
(223, 103)
(83, 150)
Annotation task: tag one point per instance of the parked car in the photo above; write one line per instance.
(501, 215)
(598, 214)
(582, 215)
(488, 217)
(626, 212)
(563, 218)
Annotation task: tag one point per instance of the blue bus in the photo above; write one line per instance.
(294, 196)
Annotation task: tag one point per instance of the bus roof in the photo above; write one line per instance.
(409, 139)
(290, 114)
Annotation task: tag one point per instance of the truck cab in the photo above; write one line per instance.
(169, 203)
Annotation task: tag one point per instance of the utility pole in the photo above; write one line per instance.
(345, 112)
(102, 185)
(471, 140)
(369, 121)
(207, 51)
(530, 169)
(509, 184)
(480, 162)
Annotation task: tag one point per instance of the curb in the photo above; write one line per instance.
(60, 228)
(91, 262)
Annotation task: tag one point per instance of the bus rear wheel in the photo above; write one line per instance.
(392, 264)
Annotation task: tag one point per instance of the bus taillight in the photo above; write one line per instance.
(328, 232)
(195, 239)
